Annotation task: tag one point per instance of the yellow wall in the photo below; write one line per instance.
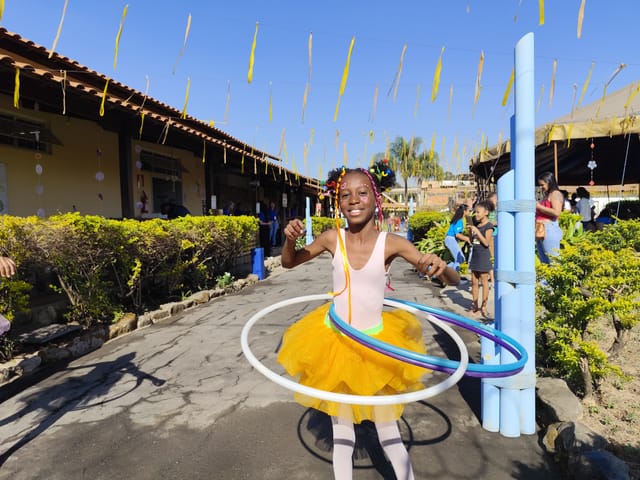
(68, 174)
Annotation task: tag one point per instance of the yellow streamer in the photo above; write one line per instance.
(586, 84)
(141, 126)
(604, 94)
(478, 79)
(242, 164)
(57, 37)
(252, 55)
(186, 99)
(375, 104)
(16, 89)
(166, 132)
(371, 136)
(507, 92)
(581, 17)
(553, 82)
(436, 77)
(540, 97)
(184, 44)
(304, 100)
(569, 131)
(115, 50)
(632, 95)
(270, 102)
(226, 105)
(212, 123)
(312, 135)
(343, 81)
(1, 9)
(204, 150)
(541, 11)
(281, 141)
(433, 147)
(104, 97)
(573, 100)
(415, 108)
(396, 82)
(310, 45)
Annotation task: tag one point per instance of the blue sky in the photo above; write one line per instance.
(216, 59)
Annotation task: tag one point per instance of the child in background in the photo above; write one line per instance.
(320, 356)
(480, 263)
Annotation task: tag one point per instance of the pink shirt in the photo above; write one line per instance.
(367, 286)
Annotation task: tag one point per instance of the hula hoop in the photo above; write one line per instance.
(436, 363)
(346, 398)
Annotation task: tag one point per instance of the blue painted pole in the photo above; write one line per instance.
(524, 167)
(308, 225)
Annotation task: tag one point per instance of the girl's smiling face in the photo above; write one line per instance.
(480, 212)
(356, 197)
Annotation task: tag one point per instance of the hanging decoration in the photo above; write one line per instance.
(63, 84)
(581, 17)
(183, 115)
(343, 81)
(104, 97)
(396, 81)
(252, 55)
(226, 105)
(184, 44)
(632, 95)
(507, 91)
(415, 108)
(592, 163)
(586, 84)
(310, 45)
(1, 9)
(540, 98)
(141, 126)
(573, 100)
(372, 117)
(553, 81)
(57, 37)
(304, 99)
(436, 77)
(478, 85)
(16, 89)
(270, 102)
(204, 150)
(284, 130)
(115, 50)
(541, 11)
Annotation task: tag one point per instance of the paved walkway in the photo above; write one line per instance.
(178, 400)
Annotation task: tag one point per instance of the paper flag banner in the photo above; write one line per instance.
(310, 45)
(541, 11)
(1, 9)
(115, 50)
(104, 97)
(433, 147)
(57, 37)
(580, 17)
(252, 55)
(343, 81)
(553, 81)
(304, 100)
(16, 89)
(270, 102)
(632, 95)
(396, 81)
(540, 97)
(141, 126)
(226, 105)
(186, 99)
(586, 84)
(281, 141)
(375, 105)
(415, 108)
(436, 77)
(478, 86)
(204, 150)
(184, 44)
(573, 100)
(507, 92)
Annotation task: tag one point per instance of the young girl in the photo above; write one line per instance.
(481, 262)
(323, 358)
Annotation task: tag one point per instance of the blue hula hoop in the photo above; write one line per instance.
(435, 363)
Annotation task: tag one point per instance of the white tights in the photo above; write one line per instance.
(344, 440)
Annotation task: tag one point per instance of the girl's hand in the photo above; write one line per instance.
(431, 264)
(7, 267)
(294, 229)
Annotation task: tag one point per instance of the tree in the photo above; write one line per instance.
(409, 160)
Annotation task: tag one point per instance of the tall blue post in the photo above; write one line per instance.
(515, 267)
(524, 166)
(307, 225)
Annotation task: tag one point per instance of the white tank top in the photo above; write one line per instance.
(367, 286)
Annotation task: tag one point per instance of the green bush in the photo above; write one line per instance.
(421, 222)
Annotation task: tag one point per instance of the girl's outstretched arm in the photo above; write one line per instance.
(290, 257)
(428, 263)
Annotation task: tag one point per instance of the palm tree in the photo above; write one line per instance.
(405, 159)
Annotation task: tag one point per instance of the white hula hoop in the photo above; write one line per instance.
(346, 398)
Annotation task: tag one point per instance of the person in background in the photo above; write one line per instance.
(548, 210)
(455, 234)
(566, 206)
(173, 210)
(272, 215)
(604, 219)
(493, 218)
(480, 263)
(584, 209)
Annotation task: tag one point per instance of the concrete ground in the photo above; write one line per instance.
(178, 400)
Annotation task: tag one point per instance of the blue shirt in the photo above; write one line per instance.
(455, 228)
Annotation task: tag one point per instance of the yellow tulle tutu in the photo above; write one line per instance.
(321, 357)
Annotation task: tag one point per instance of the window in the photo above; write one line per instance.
(22, 133)
(161, 164)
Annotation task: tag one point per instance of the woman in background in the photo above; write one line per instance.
(547, 212)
